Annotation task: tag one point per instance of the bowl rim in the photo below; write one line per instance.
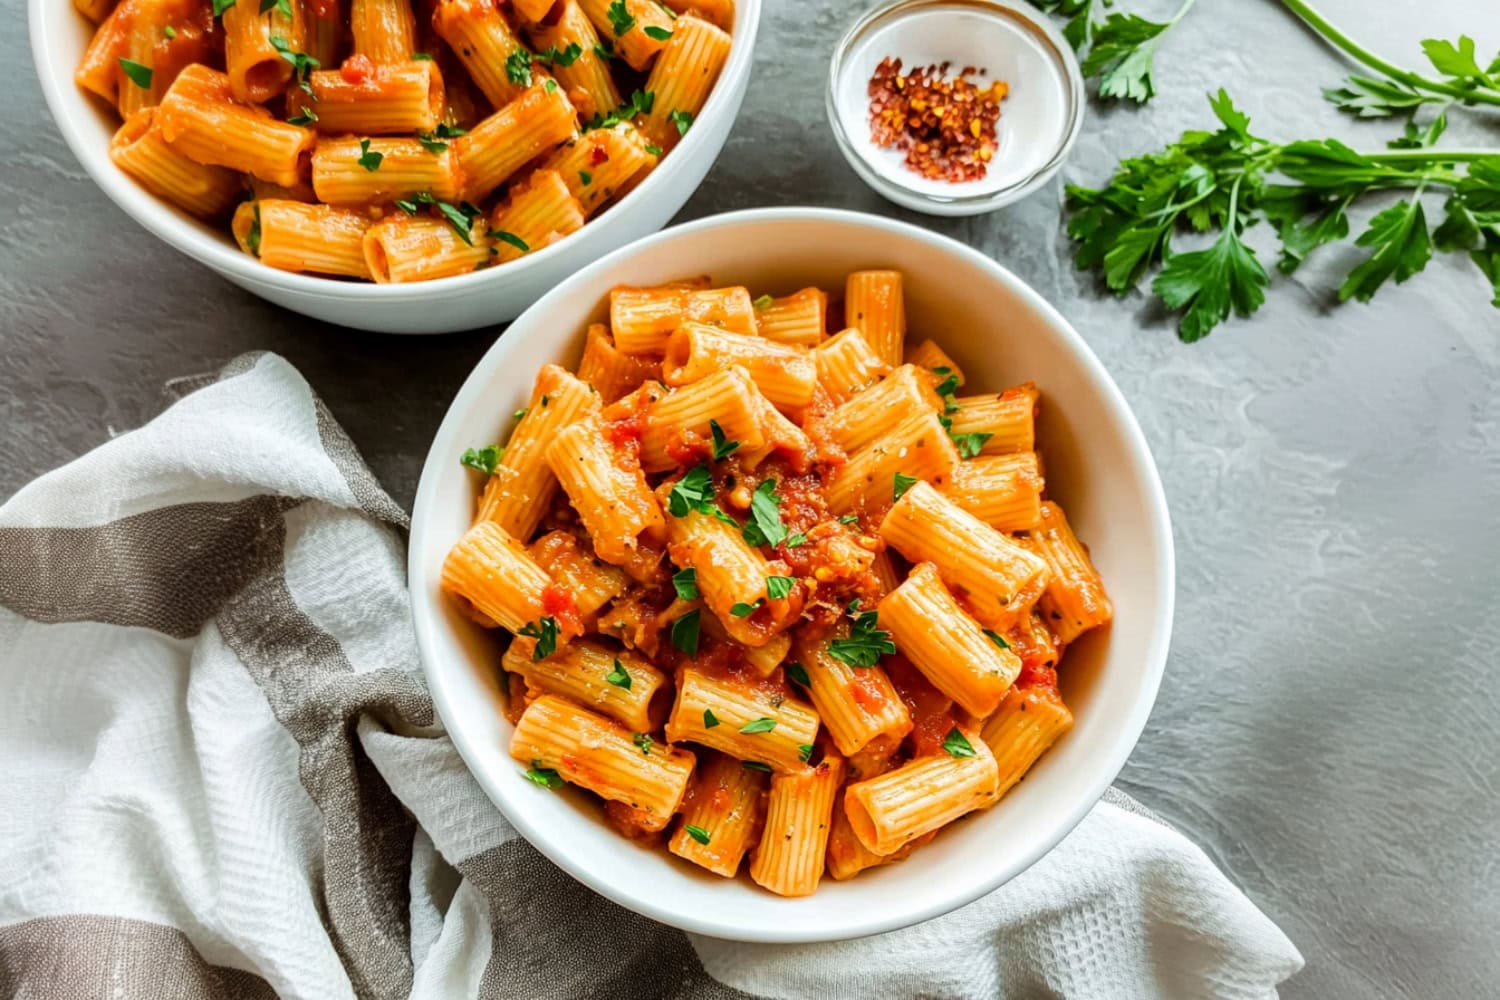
(953, 206)
(160, 219)
(472, 393)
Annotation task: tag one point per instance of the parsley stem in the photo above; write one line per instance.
(1318, 23)
(1425, 156)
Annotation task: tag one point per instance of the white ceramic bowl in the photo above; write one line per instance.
(1001, 332)
(59, 35)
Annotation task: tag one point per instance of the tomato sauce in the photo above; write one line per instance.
(357, 69)
(560, 604)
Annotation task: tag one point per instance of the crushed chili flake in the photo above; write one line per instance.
(945, 125)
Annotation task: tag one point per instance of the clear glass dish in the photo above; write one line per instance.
(1007, 40)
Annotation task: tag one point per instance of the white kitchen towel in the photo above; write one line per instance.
(221, 775)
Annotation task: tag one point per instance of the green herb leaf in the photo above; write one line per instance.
(760, 725)
(755, 765)
(1209, 282)
(1369, 97)
(545, 634)
(169, 32)
(1401, 247)
(620, 18)
(685, 582)
(969, 445)
(692, 492)
(518, 68)
(252, 239)
(426, 56)
(307, 117)
(643, 741)
(804, 752)
(653, 150)
(997, 639)
(619, 676)
(544, 776)
(957, 744)
(723, 447)
(696, 832)
(484, 459)
(778, 588)
(368, 158)
(657, 34)
(866, 643)
(685, 633)
(763, 302)
(765, 526)
(743, 610)
(585, 178)
(682, 119)
(432, 143)
(794, 541)
(302, 63)
(1123, 48)
(1453, 60)
(849, 519)
(139, 74)
(553, 56)
(798, 673)
(510, 238)
(604, 49)
(709, 719)
(902, 483)
(220, 6)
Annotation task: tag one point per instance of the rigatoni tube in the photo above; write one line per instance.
(799, 815)
(891, 810)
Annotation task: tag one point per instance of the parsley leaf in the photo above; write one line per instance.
(866, 643)
(685, 633)
(1453, 60)
(368, 158)
(793, 541)
(619, 676)
(765, 526)
(643, 741)
(957, 744)
(1401, 245)
(1123, 48)
(657, 34)
(682, 119)
(302, 63)
(1209, 282)
(723, 447)
(692, 492)
(969, 445)
(518, 68)
(760, 725)
(139, 74)
(544, 776)
(696, 832)
(763, 302)
(252, 239)
(553, 56)
(585, 178)
(306, 117)
(997, 639)
(778, 588)
(798, 673)
(545, 634)
(685, 582)
(220, 6)
(902, 483)
(755, 765)
(709, 719)
(169, 32)
(512, 239)
(620, 18)
(743, 610)
(849, 519)
(484, 459)
(804, 752)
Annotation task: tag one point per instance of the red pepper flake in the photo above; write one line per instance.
(598, 155)
(945, 125)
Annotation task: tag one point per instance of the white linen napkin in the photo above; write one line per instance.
(221, 775)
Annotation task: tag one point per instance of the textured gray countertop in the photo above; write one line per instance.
(1329, 726)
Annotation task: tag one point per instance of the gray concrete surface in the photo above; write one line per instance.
(1329, 727)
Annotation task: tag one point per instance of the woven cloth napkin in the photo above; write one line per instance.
(221, 775)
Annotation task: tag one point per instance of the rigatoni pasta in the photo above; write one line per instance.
(337, 102)
(768, 597)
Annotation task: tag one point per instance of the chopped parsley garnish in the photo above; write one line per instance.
(518, 414)
(755, 765)
(139, 74)
(619, 677)
(512, 239)
(461, 216)
(369, 158)
(760, 725)
(693, 491)
(709, 719)
(849, 519)
(585, 178)
(997, 639)
(544, 776)
(302, 63)
(169, 32)
(697, 833)
(553, 56)
(307, 117)
(604, 49)
(518, 68)
(282, 7)
(644, 741)
(422, 55)
(798, 673)
(685, 582)
(969, 445)
(657, 34)
(764, 302)
(779, 587)
(550, 86)
(957, 744)
(903, 483)
(653, 149)
(867, 642)
(743, 610)
(545, 634)
(942, 370)
(685, 633)
(723, 447)
(764, 526)
(484, 459)
(433, 141)
(641, 103)
(220, 6)
(793, 541)
(620, 18)
(804, 751)
(947, 386)
(682, 119)
(252, 238)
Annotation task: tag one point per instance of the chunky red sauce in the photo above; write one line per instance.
(357, 69)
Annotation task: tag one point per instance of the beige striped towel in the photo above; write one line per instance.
(221, 775)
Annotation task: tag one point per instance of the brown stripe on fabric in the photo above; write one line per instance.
(367, 835)
(362, 483)
(554, 939)
(85, 957)
(168, 569)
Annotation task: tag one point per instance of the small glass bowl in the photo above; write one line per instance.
(1039, 119)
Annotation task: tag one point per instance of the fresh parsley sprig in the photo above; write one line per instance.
(866, 642)
(1118, 51)
(1224, 181)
